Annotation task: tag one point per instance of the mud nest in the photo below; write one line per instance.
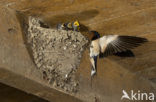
(56, 53)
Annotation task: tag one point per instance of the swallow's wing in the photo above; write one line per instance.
(114, 43)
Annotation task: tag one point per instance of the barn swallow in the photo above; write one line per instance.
(61, 26)
(110, 44)
(75, 26)
(68, 26)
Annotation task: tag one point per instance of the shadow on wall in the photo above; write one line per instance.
(23, 20)
(10, 94)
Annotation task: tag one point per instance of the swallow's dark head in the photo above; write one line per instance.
(95, 35)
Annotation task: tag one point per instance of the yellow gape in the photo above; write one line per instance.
(76, 23)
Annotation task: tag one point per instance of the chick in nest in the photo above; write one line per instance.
(75, 26)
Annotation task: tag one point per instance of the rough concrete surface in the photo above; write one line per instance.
(123, 17)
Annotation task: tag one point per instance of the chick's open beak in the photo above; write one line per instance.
(76, 23)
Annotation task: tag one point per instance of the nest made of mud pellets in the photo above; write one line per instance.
(57, 53)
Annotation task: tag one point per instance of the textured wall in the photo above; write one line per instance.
(123, 17)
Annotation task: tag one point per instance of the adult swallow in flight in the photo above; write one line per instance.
(110, 44)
